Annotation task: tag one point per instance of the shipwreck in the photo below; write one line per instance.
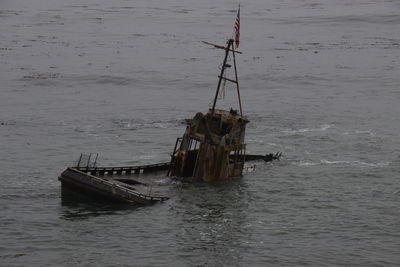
(212, 148)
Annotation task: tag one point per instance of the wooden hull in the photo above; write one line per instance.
(106, 188)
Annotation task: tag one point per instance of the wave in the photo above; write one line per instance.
(307, 163)
(135, 124)
(351, 18)
(361, 132)
(88, 79)
(343, 162)
(322, 128)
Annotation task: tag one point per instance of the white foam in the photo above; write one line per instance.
(159, 125)
(361, 132)
(322, 128)
(344, 162)
(308, 163)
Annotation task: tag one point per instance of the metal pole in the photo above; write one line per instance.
(230, 43)
(237, 82)
(88, 161)
(95, 161)
(79, 162)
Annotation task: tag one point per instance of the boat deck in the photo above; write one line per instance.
(145, 184)
(140, 184)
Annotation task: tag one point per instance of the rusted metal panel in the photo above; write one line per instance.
(221, 150)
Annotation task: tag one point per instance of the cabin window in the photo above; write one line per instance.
(226, 128)
(191, 157)
(232, 156)
(214, 125)
(242, 134)
(185, 143)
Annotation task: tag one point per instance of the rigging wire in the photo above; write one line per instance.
(222, 92)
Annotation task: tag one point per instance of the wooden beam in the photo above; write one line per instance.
(237, 83)
(222, 47)
(233, 81)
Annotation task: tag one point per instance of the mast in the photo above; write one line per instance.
(230, 43)
(228, 48)
(237, 82)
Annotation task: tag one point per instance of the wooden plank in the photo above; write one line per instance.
(230, 80)
(221, 47)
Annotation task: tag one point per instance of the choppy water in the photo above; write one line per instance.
(320, 82)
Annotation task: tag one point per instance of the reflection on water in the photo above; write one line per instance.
(79, 206)
(212, 219)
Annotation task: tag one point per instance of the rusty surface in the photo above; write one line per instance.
(212, 147)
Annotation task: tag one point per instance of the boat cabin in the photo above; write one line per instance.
(212, 146)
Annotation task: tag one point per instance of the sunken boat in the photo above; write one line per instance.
(129, 184)
(211, 148)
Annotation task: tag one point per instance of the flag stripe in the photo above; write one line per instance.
(237, 28)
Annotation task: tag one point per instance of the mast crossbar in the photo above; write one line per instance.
(222, 47)
(228, 48)
(227, 79)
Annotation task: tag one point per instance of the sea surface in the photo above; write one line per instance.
(320, 81)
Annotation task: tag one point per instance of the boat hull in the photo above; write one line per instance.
(106, 188)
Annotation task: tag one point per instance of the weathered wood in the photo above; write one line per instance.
(126, 169)
(267, 157)
(227, 79)
(221, 47)
(230, 42)
(113, 189)
(237, 83)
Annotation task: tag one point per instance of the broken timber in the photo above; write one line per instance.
(124, 184)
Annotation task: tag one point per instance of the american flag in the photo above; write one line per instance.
(237, 28)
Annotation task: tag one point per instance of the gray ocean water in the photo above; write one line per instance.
(319, 82)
